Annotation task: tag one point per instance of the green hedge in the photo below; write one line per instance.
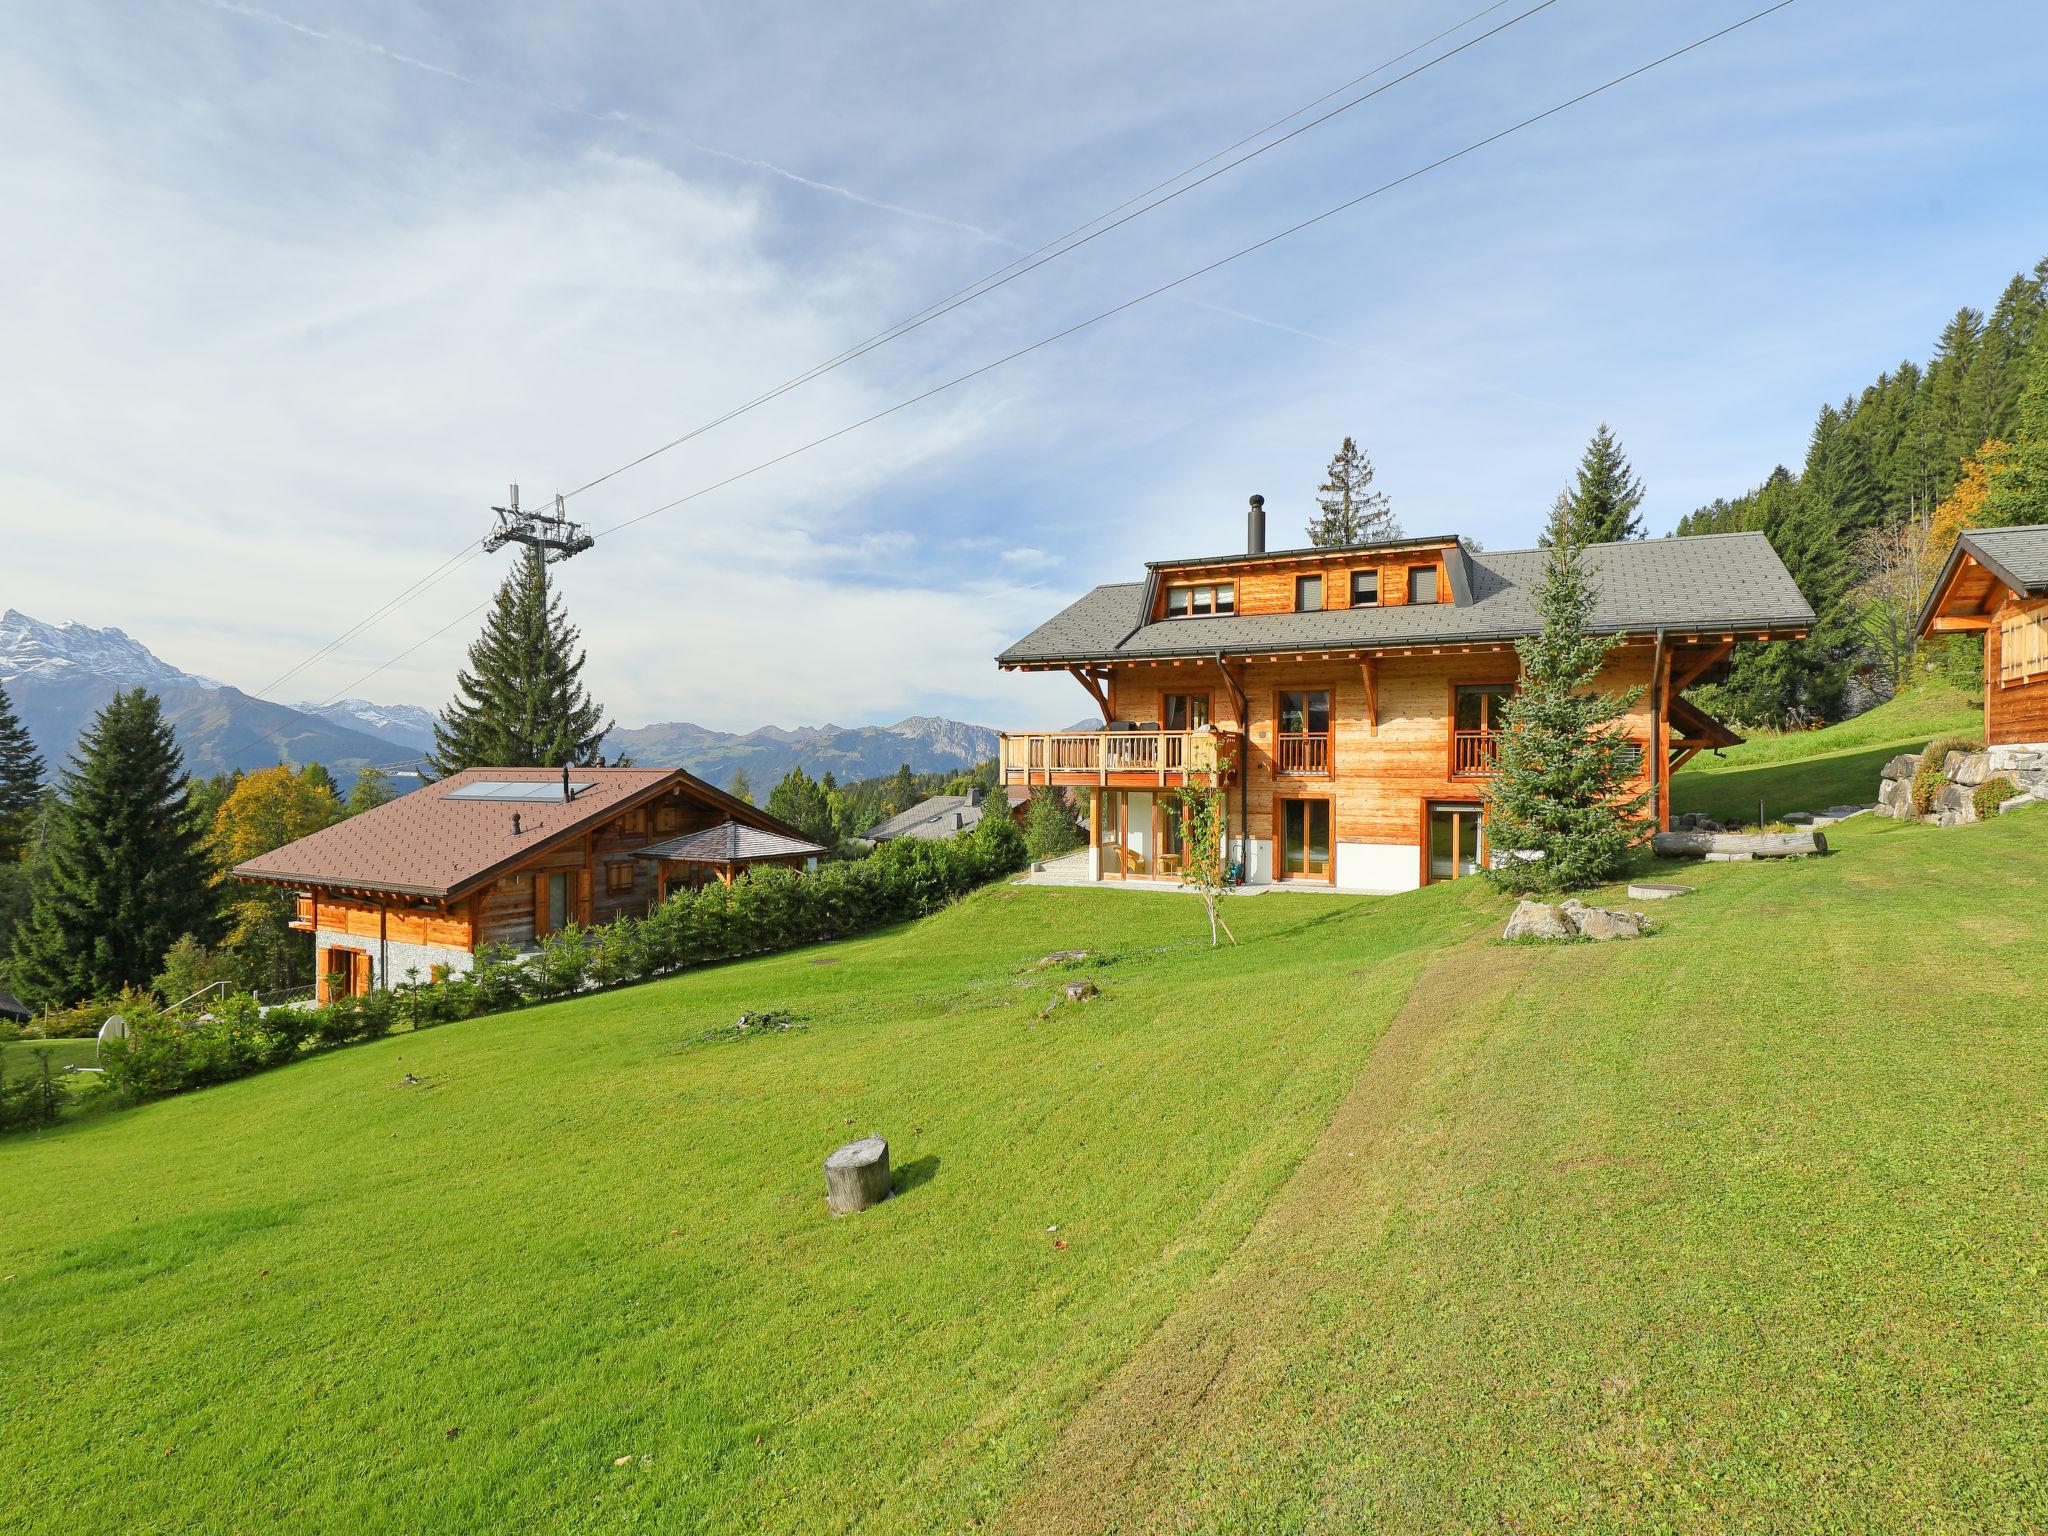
(772, 909)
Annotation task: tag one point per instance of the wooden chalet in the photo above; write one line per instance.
(1995, 584)
(507, 856)
(1350, 698)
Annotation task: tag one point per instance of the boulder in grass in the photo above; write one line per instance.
(1604, 923)
(2005, 806)
(1539, 920)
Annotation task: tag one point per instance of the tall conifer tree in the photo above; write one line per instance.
(1353, 512)
(520, 703)
(1565, 786)
(2017, 488)
(21, 782)
(1600, 504)
(128, 874)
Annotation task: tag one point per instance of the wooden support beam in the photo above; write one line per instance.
(1095, 691)
(1680, 681)
(1959, 623)
(1371, 670)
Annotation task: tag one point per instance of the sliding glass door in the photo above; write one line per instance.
(1455, 834)
(1305, 840)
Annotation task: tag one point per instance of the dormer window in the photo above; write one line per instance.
(1365, 589)
(1198, 602)
(1421, 583)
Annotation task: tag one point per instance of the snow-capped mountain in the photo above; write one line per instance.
(58, 652)
(404, 725)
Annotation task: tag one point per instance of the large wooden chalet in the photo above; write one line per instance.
(1351, 696)
(507, 856)
(1995, 584)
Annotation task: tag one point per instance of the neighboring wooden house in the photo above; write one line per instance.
(1995, 584)
(1355, 693)
(507, 856)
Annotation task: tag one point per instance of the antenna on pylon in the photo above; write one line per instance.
(552, 533)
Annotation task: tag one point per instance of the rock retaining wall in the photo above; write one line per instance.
(1962, 772)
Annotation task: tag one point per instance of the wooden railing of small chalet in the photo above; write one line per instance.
(1301, 753)
(1112, 757)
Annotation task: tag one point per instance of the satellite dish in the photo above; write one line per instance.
(116, 1028)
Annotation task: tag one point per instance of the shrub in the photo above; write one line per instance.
(32, 1099)
(1938, 749)
(1991, 794)
(998, 841)
(1049, 828)
(1927, 780)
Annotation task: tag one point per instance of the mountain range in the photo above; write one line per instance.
(60, 675)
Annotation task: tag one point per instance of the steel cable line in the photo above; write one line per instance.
(1067, 243)
(959, 297)
(1131, 303)
(1204, 270)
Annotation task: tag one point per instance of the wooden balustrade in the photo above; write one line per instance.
(1299, 753)
(1106, 757)
(1474, 754)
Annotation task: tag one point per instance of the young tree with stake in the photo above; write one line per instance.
(1204, 868)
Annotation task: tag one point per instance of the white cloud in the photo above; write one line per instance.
(1029, 559)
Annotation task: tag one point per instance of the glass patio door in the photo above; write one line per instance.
(1454, 841)
(1304, 839)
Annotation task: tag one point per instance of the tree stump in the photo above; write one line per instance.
(857, 1176)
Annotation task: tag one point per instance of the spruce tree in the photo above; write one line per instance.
(2017, 489)
(1563, 789)
(1353, 512)
(801, 801)
(520, 703)
(739, 786)
(1599, 506)
(21, 782)
(372, 788)
(128, 872)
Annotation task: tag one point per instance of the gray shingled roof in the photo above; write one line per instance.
(2014, 555)
(727, 843)
(938, 817)
(1724, 581)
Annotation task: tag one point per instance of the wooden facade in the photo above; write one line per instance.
(1363, 767)
(368, 934)
(1979, 594)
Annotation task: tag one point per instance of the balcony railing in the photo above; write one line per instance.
(1298, 754)
(1105, 757)
(1475, 754)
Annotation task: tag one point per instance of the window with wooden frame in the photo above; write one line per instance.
(1308, 594)
(1421, 583)
(1201, 601)
(2022, 647)
(1365, 589)
(1183, 711)
(1302, 744)
(620, 876)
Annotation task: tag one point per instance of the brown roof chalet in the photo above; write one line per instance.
(436, 843)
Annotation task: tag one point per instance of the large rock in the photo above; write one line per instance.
(1904, 766)
(1538, 920)
(1968, 768)
(1604, 922)
(1951, 797)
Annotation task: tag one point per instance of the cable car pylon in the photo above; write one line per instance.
(552, 533)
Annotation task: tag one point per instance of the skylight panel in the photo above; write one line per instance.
(521, 790)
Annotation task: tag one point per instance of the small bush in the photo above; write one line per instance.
(1927, 782)
(1991, 794)
(1938, 749)
(31, 1099)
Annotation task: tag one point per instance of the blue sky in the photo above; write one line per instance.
(304, 286)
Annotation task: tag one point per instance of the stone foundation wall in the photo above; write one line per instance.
(390, 959)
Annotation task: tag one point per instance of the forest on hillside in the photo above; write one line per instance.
(1891, 474)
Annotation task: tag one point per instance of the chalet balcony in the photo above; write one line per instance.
(1302, 754)
(1116, 759)
(1475, 754)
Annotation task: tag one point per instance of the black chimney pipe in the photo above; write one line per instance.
(1255, 527)
(566, 795)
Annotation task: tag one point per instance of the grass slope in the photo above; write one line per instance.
(1739, 1228)
(1812, 770)
(328, 1299)
(1372, 1224)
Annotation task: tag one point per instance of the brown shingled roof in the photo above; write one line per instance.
(425, 844)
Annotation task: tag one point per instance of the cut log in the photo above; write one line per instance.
(1755, 845)
(857, 1176)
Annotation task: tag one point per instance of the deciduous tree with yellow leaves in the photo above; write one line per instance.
(266, 811)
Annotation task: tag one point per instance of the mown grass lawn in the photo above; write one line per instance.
(1374, 1223)
(326, 1299)
(1812, 770)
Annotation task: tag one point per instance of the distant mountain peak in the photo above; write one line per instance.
(31, 648)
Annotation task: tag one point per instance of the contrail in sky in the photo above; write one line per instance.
(621, 119)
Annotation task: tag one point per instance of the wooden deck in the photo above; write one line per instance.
(1114, 759)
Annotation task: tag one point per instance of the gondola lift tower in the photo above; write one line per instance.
(552, 533)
